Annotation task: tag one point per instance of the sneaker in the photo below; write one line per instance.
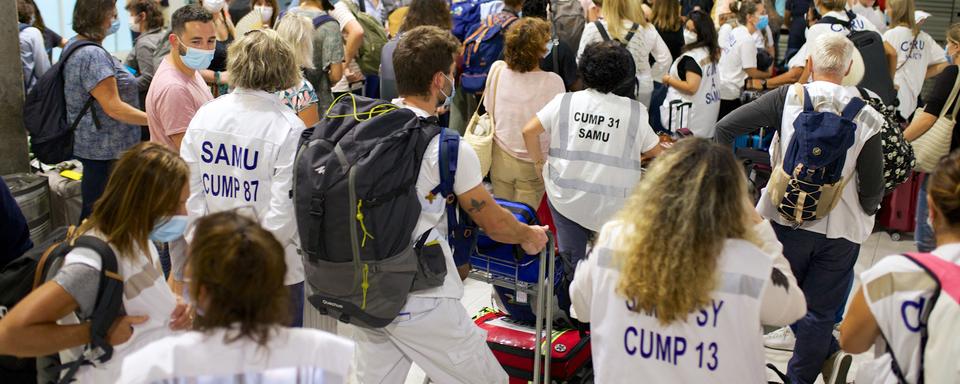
(836, 367)
(782, 339)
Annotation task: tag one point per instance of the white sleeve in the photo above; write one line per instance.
(799, 59)
(661, 55)
(934, 50)
(590, 35)
(468, 174)
(581, 288)
(549, 114)
(747, 52)
(280, 219)
(341, 12)
(196, 202)
(782, 302)
(648, 139)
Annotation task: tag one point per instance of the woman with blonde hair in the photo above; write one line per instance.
(666, 18)
(240, 147)
(297, 30)
(516, 90)
(143, 201)
(237, 270)
(678, 285)
(623, 20)
(919, 57)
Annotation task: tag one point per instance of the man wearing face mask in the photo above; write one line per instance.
(433, 329)
(177, 91)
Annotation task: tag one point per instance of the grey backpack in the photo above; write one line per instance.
(356, 206)
(569, 22)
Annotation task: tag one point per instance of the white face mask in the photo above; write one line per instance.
(265, 13)
(134, 24)
(689, 37)
(213, 6)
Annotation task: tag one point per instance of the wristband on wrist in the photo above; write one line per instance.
(216, 78)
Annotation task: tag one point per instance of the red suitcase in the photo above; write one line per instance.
(512, 344)
(898, 212)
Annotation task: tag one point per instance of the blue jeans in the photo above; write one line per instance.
(824, 271)
(923, 234)
(572, 238)
(296, 305)
(95, 175)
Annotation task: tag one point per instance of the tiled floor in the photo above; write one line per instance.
(879, 245)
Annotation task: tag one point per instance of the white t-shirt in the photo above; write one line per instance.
(817, 30)
(847, 220)
(145, 293)
(897, 291)
(595, 148)
(721, 343)
(739, 52)
(341, 13)
(644, 43)
(701, 116)
(872, 14)
(912, 64)
(291, 355)
(240, 149)
(433, 214)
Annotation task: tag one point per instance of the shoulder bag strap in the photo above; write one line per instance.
(602, 30)
(952, 101)
(496, 84)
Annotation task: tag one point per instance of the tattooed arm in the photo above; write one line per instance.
(498, 223)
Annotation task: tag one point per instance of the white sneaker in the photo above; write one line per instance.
(782, 339)
(836, 367)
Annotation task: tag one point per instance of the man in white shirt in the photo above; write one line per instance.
(433, 329)
(821, 252)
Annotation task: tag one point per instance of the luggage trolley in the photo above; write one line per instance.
(505, 274)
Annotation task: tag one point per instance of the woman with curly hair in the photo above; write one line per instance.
(678, 285)
(515, 91)
(597, 140)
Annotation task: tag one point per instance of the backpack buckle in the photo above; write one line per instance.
(451, 198)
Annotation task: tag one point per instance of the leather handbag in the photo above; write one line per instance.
(934, 144)
(481, 128)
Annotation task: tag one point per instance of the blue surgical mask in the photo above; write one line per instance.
(114, 27)
(169, 229)
(453, 91)
(762, 23)
(197, 59)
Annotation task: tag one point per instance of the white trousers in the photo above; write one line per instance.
(435, 333)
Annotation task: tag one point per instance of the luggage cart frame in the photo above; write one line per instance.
(543, 307)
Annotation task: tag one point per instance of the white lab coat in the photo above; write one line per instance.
(240, 149)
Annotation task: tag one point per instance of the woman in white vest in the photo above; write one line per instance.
(618, 17)
(693, 100)
(886, 311)
(237, 272)
(241, 147)
(919, 57)
(738, 59)
(679, 285)
(597, 142)
(143, 202)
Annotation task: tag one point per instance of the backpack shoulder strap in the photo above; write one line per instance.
(805, 96)
(834, 20)
(321, 20)
(22, 26)
(946, 273)
(109, 294)
(449, 153)
(853, 108)
(633, 31)
(602, 30)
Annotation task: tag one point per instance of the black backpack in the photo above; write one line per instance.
(356, 207)
(898, 157)
(24, 274)
(631, 85)
(45, 112)
(876, 74)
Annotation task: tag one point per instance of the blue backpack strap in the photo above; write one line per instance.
(321, 20)
(807, 102)
(853, 108)
(461, 230)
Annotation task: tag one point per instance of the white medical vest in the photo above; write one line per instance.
(240, 149)
(701, 115)
(720, 343)
(847, 220)
(596, 141)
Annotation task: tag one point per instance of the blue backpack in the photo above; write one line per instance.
(808, 182)
(466, 15)
(482, 48)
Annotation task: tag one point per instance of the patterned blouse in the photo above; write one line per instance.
(299, 97)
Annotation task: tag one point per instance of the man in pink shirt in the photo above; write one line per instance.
(177, 90)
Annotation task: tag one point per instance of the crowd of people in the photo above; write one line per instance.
(624, 134)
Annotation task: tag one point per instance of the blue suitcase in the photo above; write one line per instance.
(510, 263)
